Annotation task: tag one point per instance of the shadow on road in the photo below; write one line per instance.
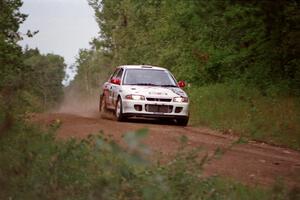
(140, 120)
(151, 121)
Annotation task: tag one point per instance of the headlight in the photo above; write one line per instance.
(135, 97)
(181, 99)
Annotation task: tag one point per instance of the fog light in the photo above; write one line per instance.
(178, 109)
(138, 107)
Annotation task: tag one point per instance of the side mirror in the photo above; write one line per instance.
(181, 84)
(116, 81)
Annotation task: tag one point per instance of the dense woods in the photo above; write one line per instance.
(29, 81)
(254, 42)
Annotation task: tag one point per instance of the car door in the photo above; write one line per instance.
(116, 88)
(109, 90)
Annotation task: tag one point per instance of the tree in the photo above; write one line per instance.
(44, 79)
(256, 42)
(10, 56)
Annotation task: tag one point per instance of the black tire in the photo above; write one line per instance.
(119, 111)
(182, 121)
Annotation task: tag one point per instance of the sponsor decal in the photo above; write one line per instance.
(178, 91)
(157, 93)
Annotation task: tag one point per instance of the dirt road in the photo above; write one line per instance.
(252, 163)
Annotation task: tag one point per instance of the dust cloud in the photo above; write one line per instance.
(76, 103)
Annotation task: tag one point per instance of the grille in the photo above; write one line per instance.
(158, 99)
(158, 108)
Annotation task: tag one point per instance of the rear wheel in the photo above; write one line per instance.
(182, 121)
(119, 111)
(102, 106)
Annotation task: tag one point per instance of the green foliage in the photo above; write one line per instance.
(44, 77)
(236, 108)
(34, 165)
(10, 52)
(10, 57)
(206, 42)
(40, 87)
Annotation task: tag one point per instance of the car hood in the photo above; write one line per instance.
(155, 91)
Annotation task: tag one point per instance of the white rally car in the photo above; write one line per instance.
(144, 91)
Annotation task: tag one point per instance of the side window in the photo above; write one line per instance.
(114, 74)
(120, 73)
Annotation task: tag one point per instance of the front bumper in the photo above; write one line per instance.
(138, 108)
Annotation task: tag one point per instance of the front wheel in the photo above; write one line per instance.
(119, 111)
(182, 121)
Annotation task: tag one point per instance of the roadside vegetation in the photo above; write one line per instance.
(234, 108)
(34, 165)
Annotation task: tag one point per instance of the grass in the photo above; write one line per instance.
(34, 165)
(245, 111)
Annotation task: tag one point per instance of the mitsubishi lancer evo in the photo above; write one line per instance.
(144, 91)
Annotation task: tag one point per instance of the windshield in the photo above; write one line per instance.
(149, 77)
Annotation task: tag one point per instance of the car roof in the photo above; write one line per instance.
(141, 67)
